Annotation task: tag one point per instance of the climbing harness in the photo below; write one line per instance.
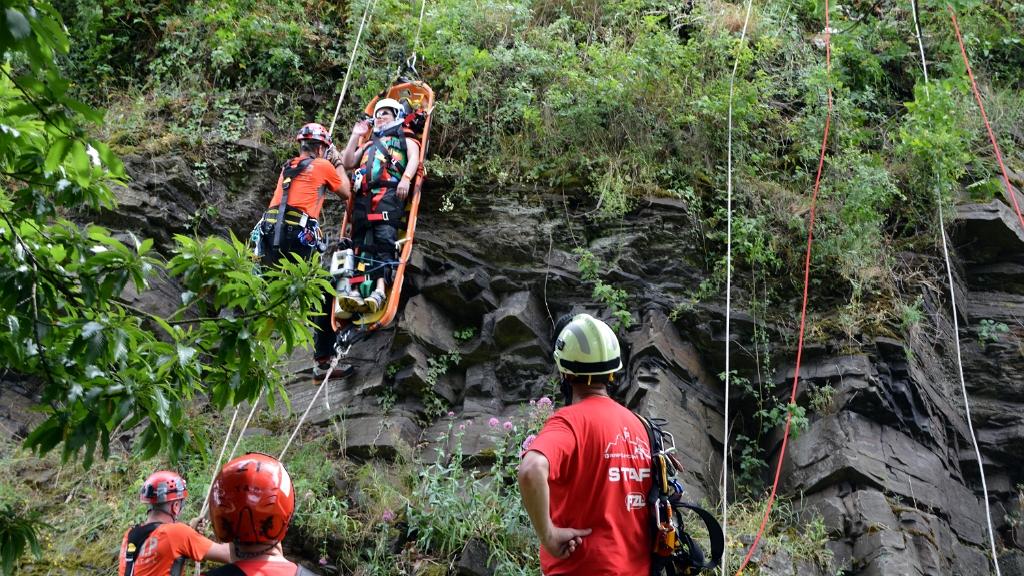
(288, 173)
(675, 552)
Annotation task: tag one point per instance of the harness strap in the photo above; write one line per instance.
(377, 145)
(715, 535)
(292, 217)
(288, 172)
(137, 536)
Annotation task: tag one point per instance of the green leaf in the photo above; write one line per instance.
(88, 112)
(185, 355)
(58, 253)
(90, 329)
(58, 150)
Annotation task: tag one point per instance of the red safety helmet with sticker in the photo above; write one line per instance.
(314, 131)
(252, 500)
(163, 486)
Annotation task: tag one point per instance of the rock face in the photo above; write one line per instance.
(886, 460)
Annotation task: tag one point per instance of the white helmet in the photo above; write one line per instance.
(587, 347)
(395, 106)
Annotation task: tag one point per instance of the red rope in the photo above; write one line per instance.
(803, 308)
(984, 116)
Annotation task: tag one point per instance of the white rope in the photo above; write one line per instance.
(728, 301)
(416, 41)
(956, 322)
(220, 458)
(241, 431)
(344, 85)
(327, 377)
(216, 467)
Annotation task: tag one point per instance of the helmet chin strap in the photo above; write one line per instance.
(566, 389)
(566, 386)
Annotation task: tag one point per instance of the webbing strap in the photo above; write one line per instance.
(376, 144)
(137, 536)
(715, 535)
(693, 557)
(288, 172)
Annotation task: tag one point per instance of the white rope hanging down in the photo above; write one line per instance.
(216, 468)
(956, 322)
(367, 14)
(416, 41)
(220, 459)
(728, 301)
(327, 377)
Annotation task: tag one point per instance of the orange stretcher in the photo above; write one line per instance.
(420, 97)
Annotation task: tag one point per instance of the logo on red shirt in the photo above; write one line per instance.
(635, 501)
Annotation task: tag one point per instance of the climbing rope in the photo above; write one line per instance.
(367, 14)
(241, 433)
(220, 458)
(419, 27)
(216, 467)
(327, 377)
(728, 298)
(949, 270)
(803, 309)
(984, 116)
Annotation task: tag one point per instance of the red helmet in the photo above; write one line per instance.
(252, 500)
(314, 131)
(163, 486)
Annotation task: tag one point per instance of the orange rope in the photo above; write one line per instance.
(803, 309)
(984, 116)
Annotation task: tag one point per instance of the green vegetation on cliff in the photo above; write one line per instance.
(611, 102)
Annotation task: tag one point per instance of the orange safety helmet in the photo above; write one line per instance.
(163, 486)
(314, 131)
(252, 500)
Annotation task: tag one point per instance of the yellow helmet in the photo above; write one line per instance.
(587, 347)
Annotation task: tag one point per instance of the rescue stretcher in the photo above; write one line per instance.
(418, 96)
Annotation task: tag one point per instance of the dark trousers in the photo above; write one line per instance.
(323, 334)
(377, 246)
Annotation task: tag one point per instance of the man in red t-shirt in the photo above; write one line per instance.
(161, 546)
(585, 478)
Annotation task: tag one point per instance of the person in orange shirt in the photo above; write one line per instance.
(303, 186)
(161, 545)
(301, 190)
(251, 506)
